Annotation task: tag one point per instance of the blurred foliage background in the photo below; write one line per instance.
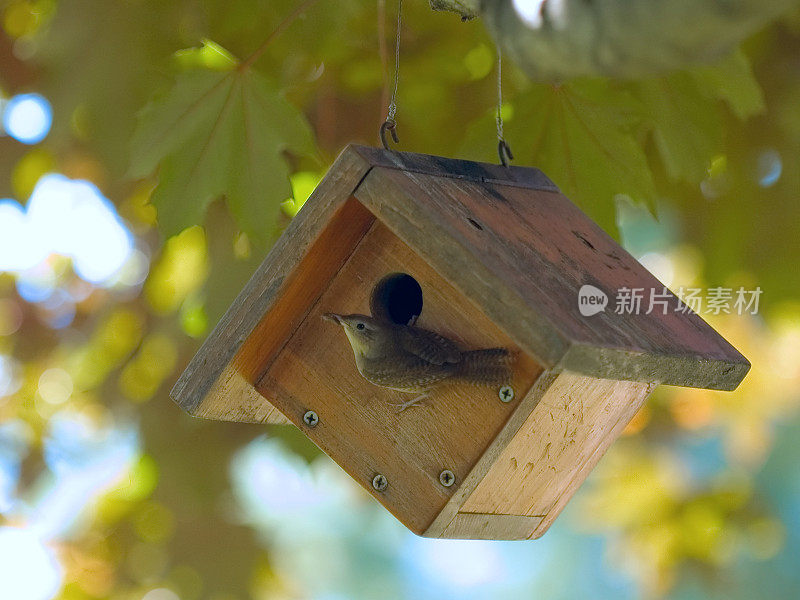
(147, 164)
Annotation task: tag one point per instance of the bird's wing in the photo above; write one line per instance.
(429, 346)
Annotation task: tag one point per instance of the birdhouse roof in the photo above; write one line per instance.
(507, 239)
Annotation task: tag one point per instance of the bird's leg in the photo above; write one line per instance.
(401, 406)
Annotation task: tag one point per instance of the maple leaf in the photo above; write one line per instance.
(219, 132)
(585, 138)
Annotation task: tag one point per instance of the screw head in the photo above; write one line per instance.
(447, 478)
(379, 482)
(310, 418)
(506, 393)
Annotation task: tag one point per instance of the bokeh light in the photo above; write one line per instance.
(15, 436)
(18, 249)
(180, 270)
(27, 118)
(67, 217)
(72, 218)
(769, 167)
(38, 283)
(457, 563)
(275, 486)
(659, 265)
(161, 594)
(531, 12)
(10, 375)
(58, 310)
(29, 569)
(55, 386)
(85, 458)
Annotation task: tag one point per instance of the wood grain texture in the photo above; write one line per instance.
(440, 526)
(635, 399)
(233, 398)
(267, 284)
(573, 424)
(321, 263)
(358, 427)
(523, 254)
(475, 526)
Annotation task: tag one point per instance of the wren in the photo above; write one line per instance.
(415, 360)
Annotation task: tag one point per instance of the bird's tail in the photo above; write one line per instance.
(491, 367)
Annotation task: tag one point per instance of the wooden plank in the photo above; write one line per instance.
(276, 417)
(637, 399)
(476, 526)
(523, 255)
(232, 398)
(526, 405)
(358, 427)
(333, 246)
(267, 284)
(573, 424)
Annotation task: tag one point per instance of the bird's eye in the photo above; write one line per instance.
(359, 326)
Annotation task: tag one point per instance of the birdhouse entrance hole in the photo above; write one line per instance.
(397, 298)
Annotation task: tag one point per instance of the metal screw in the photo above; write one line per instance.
(379, 482)
(311, 419)
(506, 393)
(447, 478)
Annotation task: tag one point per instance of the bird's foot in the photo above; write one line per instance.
(401, 406)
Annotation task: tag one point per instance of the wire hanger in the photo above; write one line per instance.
(390, 124)
(503, 149)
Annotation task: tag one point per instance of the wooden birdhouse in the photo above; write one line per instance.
(488, 256)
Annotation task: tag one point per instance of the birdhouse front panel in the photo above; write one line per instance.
(473, 257)
(359, 425)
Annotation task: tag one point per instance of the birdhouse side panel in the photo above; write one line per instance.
(321, 264)
(233, 396)
(204, 377)
(573, 424)
(475, 526)
(359, 425)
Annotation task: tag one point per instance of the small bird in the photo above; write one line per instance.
(414, 360)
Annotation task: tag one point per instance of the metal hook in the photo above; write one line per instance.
(391, 126)
(504, 151)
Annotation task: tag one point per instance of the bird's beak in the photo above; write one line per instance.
(333, 317)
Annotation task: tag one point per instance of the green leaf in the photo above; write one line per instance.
(208, 56)
(583, 135)
(686, 124)
(732, 80)
(219, 133)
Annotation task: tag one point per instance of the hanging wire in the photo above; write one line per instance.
(390, 124)
(503, 149)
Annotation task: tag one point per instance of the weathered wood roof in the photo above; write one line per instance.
(510, 241)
